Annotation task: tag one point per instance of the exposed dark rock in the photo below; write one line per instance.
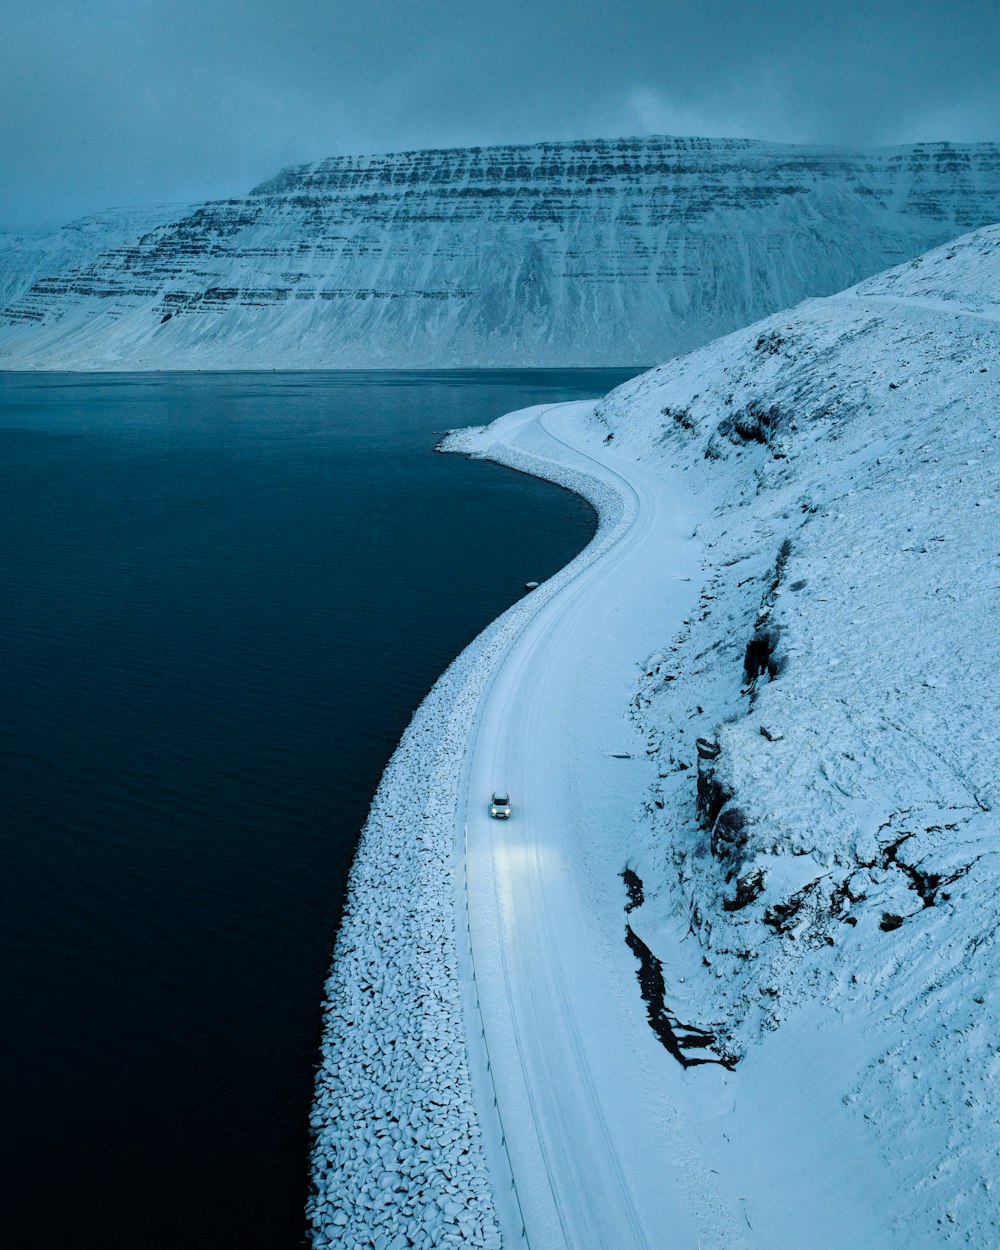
(729, 837)
(771, 343)
(712, 795)
(707, 749)
(759, 657)
(925, 883)
(719, 815)
(843, 896)
(784, 555)
(761, 652)
(783, 917)
(676, 1037)
(754, 423)
(748, 887)
(636, 894)
(681, 416)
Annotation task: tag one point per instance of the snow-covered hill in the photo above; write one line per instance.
(821, 885)
(554, 254)
(783, 816)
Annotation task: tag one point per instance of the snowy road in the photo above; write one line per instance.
(592, 1146)
(515, 1043)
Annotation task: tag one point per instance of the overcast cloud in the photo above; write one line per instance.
(121, 102)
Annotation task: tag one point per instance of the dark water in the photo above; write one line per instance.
(221, 597)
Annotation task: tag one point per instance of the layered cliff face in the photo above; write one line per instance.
(607, 252)
(26, 256)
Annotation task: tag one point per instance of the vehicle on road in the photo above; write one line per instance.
(500, 805)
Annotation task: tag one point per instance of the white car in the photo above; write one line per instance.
(500, 805)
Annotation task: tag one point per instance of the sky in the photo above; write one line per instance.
(128, 102)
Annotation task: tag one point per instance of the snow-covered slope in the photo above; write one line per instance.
(822, 884)
(577, 253)
(29, 257)
(752, 733)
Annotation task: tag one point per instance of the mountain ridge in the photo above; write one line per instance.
(590, 252)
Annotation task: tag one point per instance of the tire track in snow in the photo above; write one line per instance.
(551, 1090)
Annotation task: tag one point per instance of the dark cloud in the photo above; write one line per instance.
(140, 101)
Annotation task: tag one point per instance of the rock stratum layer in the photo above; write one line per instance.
(585, 253)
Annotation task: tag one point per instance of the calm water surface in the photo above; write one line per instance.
(221, 598)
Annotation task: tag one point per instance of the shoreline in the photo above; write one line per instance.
(398, 1146)
(792, 929)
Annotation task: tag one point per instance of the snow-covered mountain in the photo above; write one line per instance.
(579, 253)
(29, 256)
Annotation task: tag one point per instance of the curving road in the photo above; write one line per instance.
(583, 1089)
